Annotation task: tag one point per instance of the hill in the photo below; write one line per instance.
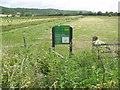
(6, 10)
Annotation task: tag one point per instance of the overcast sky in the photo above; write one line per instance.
(91, 5)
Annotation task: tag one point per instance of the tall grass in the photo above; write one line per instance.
(25, 69)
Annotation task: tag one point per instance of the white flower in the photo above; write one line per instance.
(15, 66)
(5, 65)
(4, 71)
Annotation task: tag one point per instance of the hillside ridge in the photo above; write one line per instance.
(6, 10)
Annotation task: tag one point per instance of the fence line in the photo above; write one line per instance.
(101, 52)
(106, 44)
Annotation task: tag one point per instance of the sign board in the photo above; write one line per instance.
(62, 35)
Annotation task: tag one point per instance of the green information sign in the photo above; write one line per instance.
(62, 34)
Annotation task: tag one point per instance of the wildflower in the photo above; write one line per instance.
(5, 65)
(15, 65)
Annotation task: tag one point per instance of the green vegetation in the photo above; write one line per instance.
(29, 12)
(9, 23)
(52, 12)
(36, 67)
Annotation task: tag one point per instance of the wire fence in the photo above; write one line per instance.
(109, 50)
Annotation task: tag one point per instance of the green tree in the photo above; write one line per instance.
(28, 14)
(22, 13)
(80, 13)
(106, 13)
(99, 13)
(115, 13)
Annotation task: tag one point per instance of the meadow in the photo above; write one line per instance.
(37, 67)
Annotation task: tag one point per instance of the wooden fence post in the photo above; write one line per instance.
(24, 40)
(25, 43)
(99, 59)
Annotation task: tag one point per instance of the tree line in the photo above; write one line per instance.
(90, 13)
(99, 13)
(73, 14)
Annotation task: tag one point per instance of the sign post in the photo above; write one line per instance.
(62, 35)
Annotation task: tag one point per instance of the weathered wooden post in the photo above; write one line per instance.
(25, 43)
(24, 40)
(97, 47)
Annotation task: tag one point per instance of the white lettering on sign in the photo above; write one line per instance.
(65, 39)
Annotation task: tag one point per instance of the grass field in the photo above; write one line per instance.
(18, 20)
(36, 67)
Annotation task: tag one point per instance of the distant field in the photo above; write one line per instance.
(106, 28)
(80, 71)
(9, 23)
(19, 20)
